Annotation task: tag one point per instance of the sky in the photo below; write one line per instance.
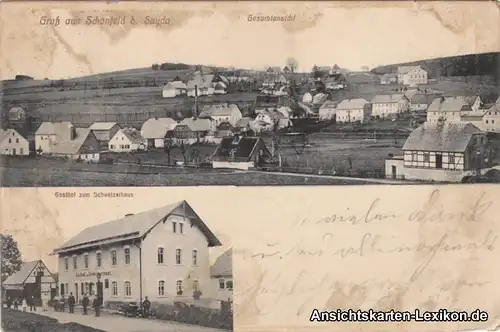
(220, 34)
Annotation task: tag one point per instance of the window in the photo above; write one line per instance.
(229, 284)
(414, 156)
(128, 289)
(113, 257)
(127, 255)
(179, 287)
(75, 263)
(10, 140)
(195, 257)
(160, 255)
(427, 157)
(86, 261)
(161, 288)
(17, 140)
(486, 121)
(222, 284)
(196, 286)
(114, 288)
(181, 227)
(106, 283)
(451, 159)
(174, 227)
(178, 258)
(99, 259)
(66, 263)
(111, 147)
(62, 289)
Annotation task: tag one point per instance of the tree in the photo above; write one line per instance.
(292, 63)
(167, 148)
(11, 256)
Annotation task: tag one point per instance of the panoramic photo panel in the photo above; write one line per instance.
(178, 93)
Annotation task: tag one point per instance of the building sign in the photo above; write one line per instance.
(92, 274)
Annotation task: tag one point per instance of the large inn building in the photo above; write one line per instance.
(162, 254)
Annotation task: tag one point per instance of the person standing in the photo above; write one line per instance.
(146, 305)
(71, 303)
(24, 305)
(85, 303)
(97, 306)
(62, 303)
(32, 303)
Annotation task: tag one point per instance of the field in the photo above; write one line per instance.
(17, 321)
(356, 158)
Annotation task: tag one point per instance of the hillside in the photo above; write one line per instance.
(483, 64)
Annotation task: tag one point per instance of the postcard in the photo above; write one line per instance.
(254, 93)
(313, 258)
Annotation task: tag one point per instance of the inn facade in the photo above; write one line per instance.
(162, 254)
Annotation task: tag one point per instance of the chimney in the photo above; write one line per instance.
(129, 214)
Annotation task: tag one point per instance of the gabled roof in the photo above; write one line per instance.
(219, 110)
(20, 277)
(8, 133)
(196, 124)
(202, 81)
(329, 104)
(53, 128)
(157, 127)
(243, 148)
(16, 109)
(498, 101)
(445, 137)
(174, 85)
(133, 135)
(73, 146)
(352, 104)
(406, 69)
(223, 265)
(388, 99)
(102, 125)
(243, 122)
(420, 98)
(448, 104)
(135, 226)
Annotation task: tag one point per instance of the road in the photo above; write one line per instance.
(113, 323)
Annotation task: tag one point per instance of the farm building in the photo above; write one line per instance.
(263, 102)
(200, 85)
(191, 130)
(385, 106)
(222, 276)
(441, 151)
(50, 133)
(220, 88)
(241, 152)
(389, 79)
(221, 113)
(32, 280)
(104, 131)
(491, 119)
(420, 102)
(447, 109)
(13, 143)
(327, 110)
(127, 140)
(307, 98)
(353, 110)
(411, 75)
(155, 131)
(17, 114)
(162, 254)
(269, 120)
(243, 125)
(83, 146)
(174, 89)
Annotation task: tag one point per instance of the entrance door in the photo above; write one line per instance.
(76, 292)
(394, 173)
(14, 151)
(439, 161)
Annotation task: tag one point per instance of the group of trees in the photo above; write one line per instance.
(11, 256)
(170, 66)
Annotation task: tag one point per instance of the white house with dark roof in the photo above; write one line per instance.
(155, 130)
(162, 254)
(13, 143)
(241, 152)
(444, 151)
(327, 110)
(32, 279)
(221, 113)
(385, 106)
(222, 276)
(491, 119)
(84, 146)
(127, 140)
(50, 133)
(353, 110)
(411, 75)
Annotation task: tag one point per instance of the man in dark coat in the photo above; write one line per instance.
(32, 303)
(85, 303)
(97, 306)
(71, 303)
(146, 305)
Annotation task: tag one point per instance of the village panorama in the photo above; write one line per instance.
(429, 121)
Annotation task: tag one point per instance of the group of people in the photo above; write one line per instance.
(87, 300)
(24, 303)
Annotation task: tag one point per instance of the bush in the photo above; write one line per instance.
(190, 314)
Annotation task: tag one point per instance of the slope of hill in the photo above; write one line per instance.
(463, 65)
